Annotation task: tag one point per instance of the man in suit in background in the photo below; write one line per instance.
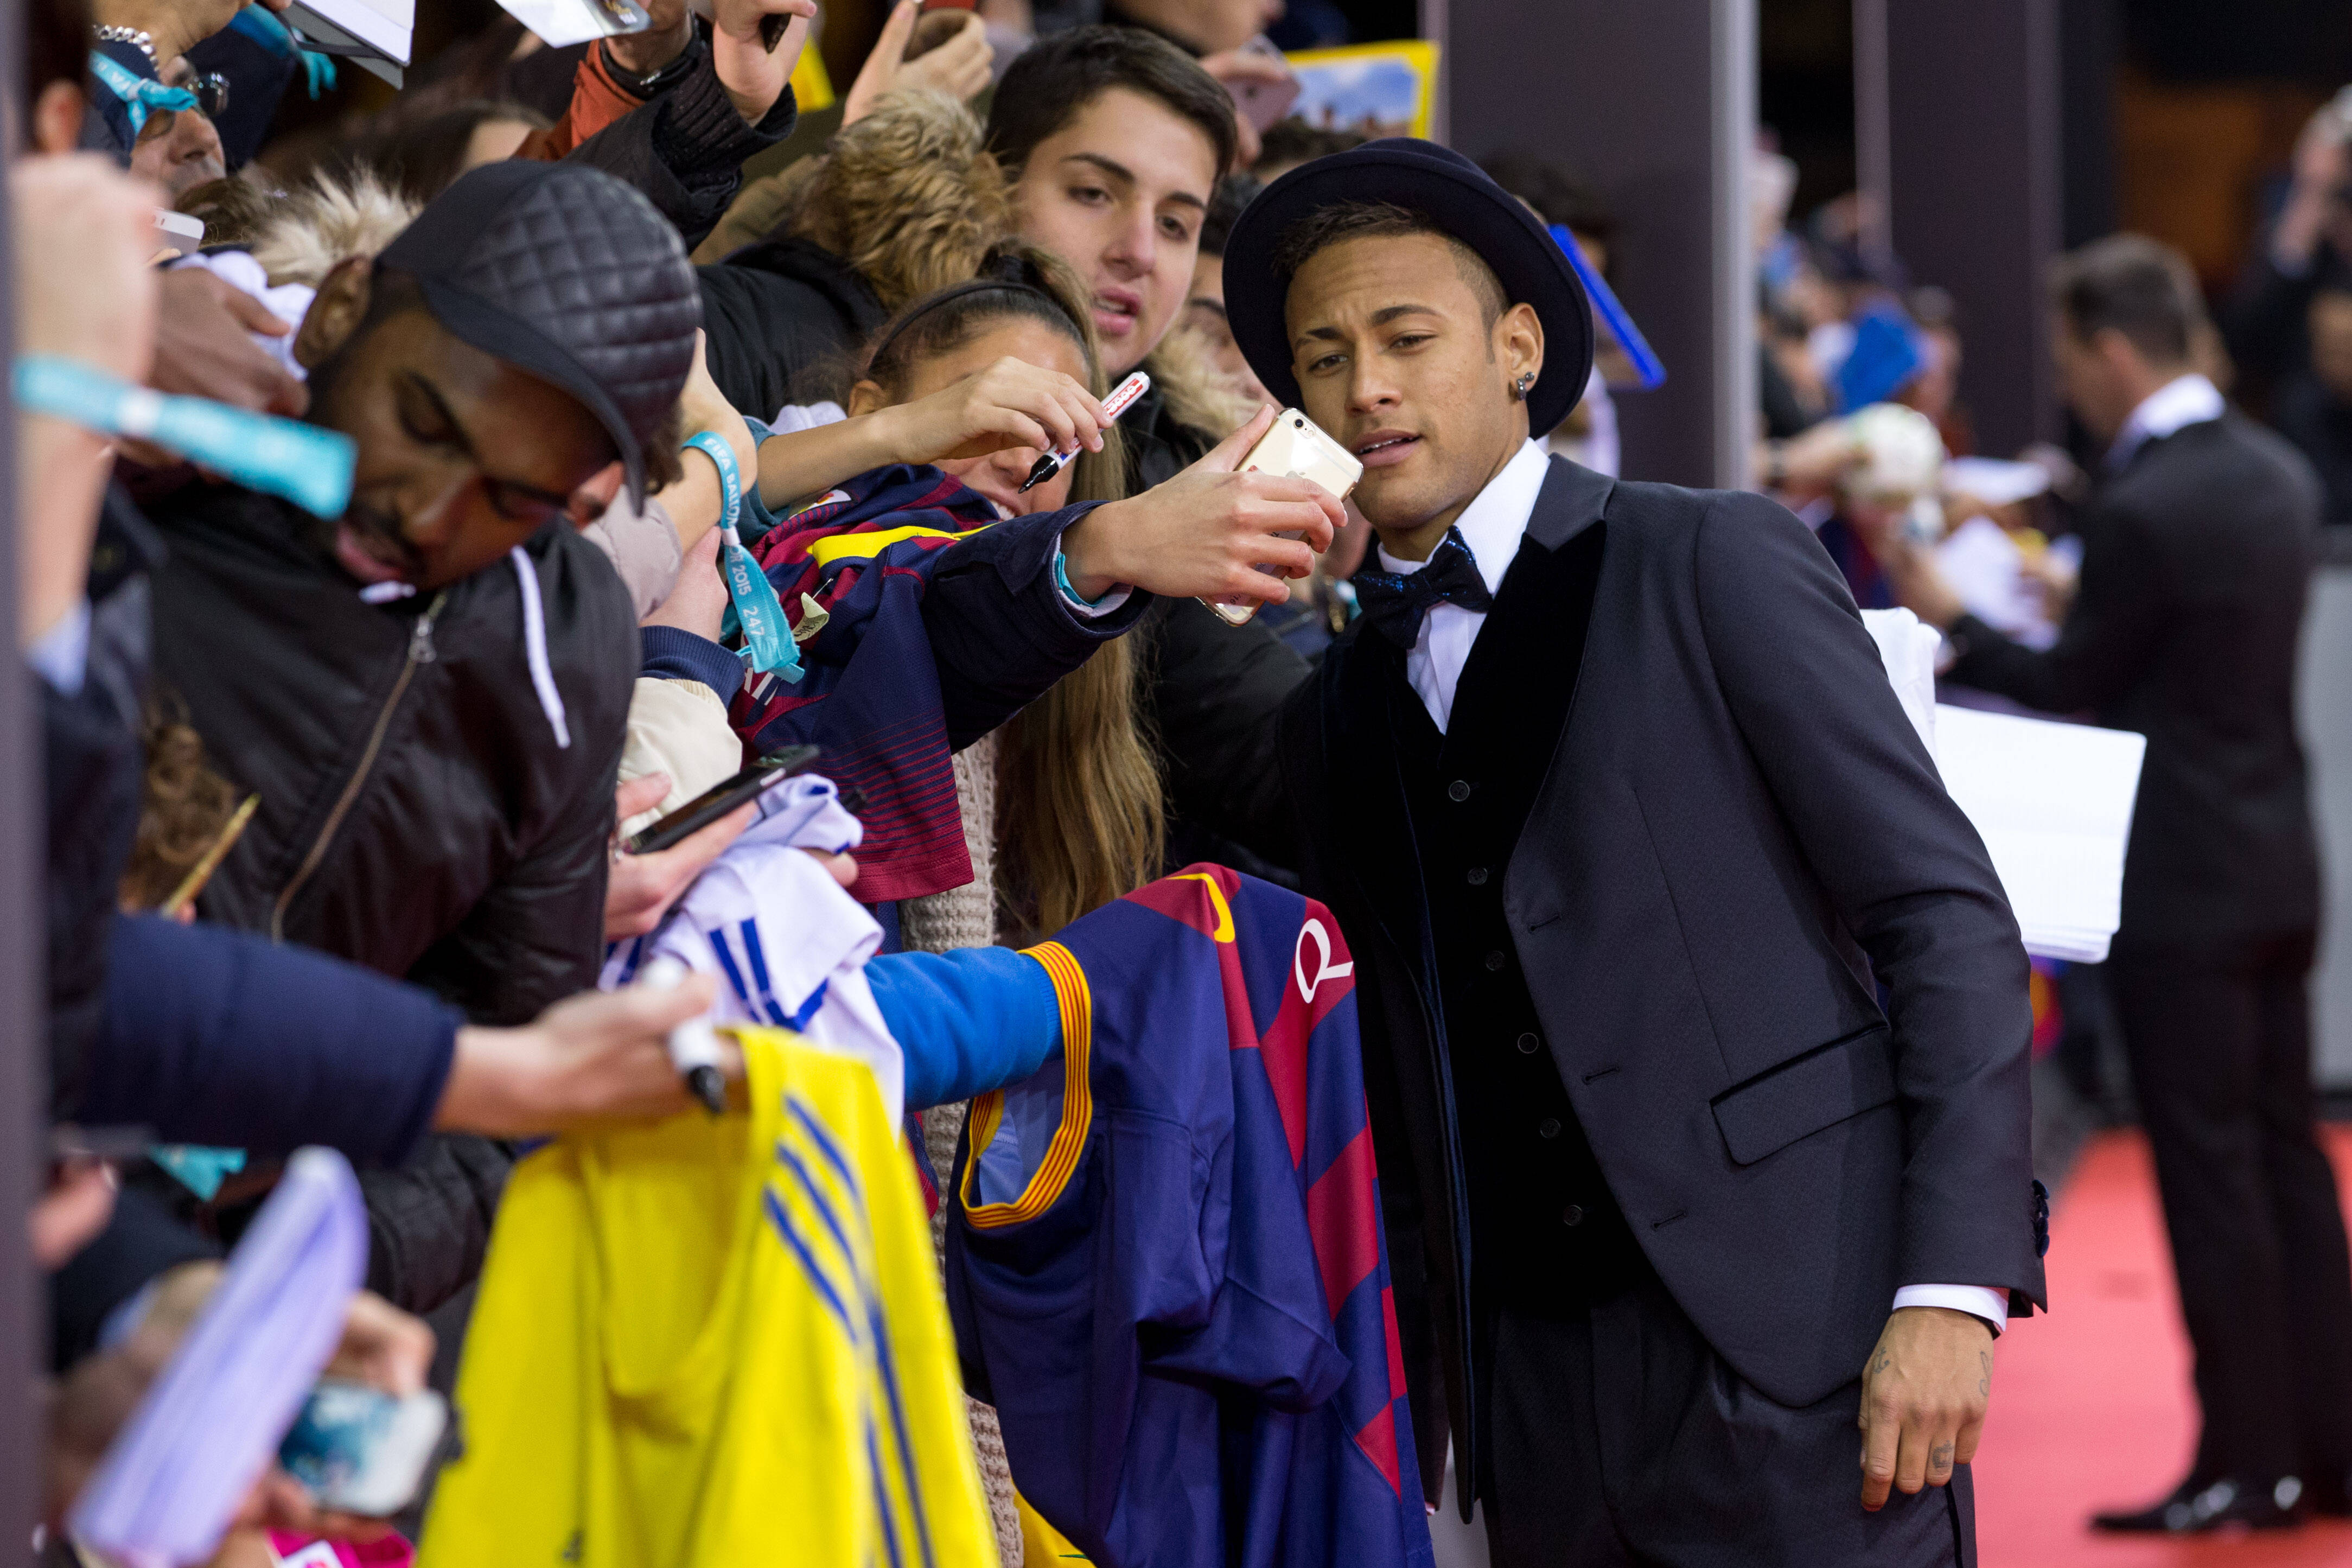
(2198, 555)
(1628, 835)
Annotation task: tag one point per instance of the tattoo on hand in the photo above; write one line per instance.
(1939, 1458)
(1882, 1361)
(1984, 1384)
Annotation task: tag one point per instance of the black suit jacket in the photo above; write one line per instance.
(1740, 843)
(2197, 562)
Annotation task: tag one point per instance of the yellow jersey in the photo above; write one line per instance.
(709, 1342)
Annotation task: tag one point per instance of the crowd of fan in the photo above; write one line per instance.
(524, 292)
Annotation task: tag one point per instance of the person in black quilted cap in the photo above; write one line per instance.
(429, 693)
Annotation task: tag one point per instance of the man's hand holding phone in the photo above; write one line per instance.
(1207, 532)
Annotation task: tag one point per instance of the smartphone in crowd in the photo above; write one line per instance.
(1262, 103)
(719, 799)
(1296, 446)
(179, 234)
(360, 1450)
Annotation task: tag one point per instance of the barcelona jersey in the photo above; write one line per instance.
(1165, 1264)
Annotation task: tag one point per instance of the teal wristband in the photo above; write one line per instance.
(731, 476)
(1062, 581)
(305, 464)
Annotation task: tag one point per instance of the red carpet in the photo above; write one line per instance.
(2092, 1406)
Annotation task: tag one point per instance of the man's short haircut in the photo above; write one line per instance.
(2136, 286)
(1292, 141)
(1341, 221)
(1055, 78)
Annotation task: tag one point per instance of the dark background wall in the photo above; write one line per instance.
(1622, 93)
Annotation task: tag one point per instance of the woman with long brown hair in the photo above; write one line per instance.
(1061, 808)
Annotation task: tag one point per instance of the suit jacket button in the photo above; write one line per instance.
(1493, 963)
(1478, 876)
(1458, 790)
(1549, 1128)
(1527, 1044)
(1572, 1215)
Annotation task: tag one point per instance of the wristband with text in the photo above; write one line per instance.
(752, 602)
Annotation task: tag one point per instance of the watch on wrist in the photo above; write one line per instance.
(660, 80)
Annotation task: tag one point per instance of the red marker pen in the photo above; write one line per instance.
(1122, 398)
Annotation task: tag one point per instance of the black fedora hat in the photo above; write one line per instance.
(1458, 198)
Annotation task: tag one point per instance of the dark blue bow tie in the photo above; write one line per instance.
(1394, 602)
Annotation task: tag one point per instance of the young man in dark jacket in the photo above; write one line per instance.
(1114, 140)
(429, 695)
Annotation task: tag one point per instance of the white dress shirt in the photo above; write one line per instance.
(2185, 400)
(1492, 526)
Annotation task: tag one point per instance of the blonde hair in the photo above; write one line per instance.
(908, 197)
(326, 220)
(184, 805)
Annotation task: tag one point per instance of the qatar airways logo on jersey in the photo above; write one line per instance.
(1313, 932)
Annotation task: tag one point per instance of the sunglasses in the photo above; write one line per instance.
(211, 92)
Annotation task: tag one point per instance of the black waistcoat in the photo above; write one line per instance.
(1546, 1235)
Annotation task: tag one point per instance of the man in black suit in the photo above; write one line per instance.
(1629, 836)
(2196, 559)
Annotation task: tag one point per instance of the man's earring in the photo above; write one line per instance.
(1526, 381)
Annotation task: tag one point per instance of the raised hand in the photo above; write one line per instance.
(1011, 403)
(958, 63)
(1206, 532)
(754, 75)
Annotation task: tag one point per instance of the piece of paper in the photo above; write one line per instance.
(1996, 482)
(2053, 805)
(1984, 566)
(375, 35)
(1907, 647)
(165, 1491)
(562, 23)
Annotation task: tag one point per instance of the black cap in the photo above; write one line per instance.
(1458, 198)
(562, 270)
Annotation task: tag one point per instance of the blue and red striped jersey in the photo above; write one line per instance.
(1166, 1264)
(869, 694)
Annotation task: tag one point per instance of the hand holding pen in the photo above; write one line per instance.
(1122, 398)
(1010, 404)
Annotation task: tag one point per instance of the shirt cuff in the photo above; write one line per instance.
(672, 653)
(61, 655)
(1092, 609)
(1976, 1300)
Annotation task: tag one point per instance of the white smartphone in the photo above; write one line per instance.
(1296, 446)
(180, 234)
(361, 1450)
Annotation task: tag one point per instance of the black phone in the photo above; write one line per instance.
(719, 799)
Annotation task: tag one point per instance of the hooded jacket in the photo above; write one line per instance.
(775, 311)
(429, 808)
